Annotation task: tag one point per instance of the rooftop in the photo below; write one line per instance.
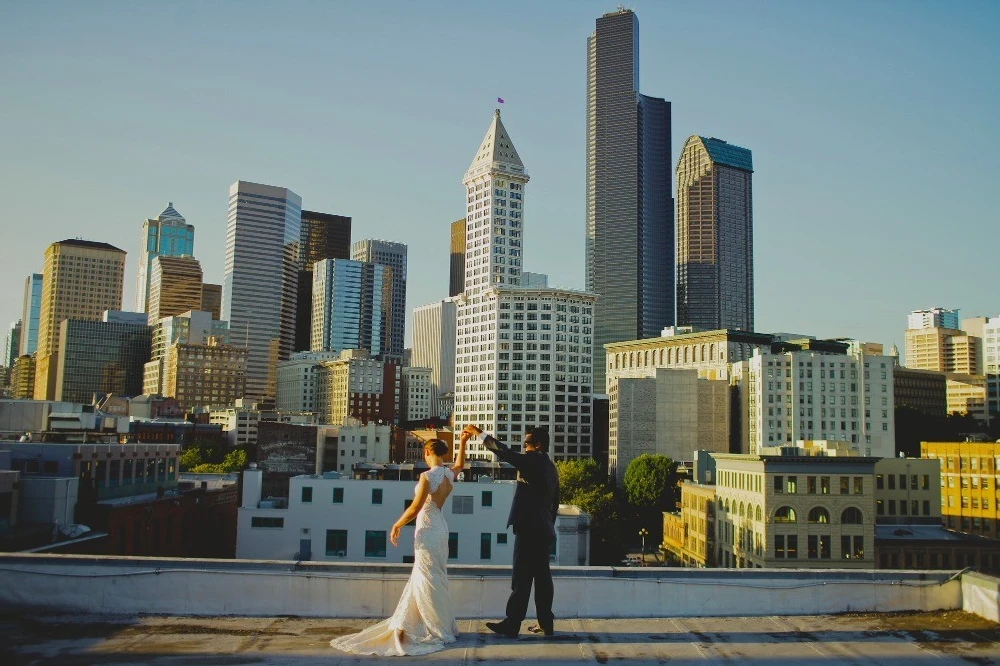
(952, 637)
(73, 609)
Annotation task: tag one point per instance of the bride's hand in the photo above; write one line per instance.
(394, 535)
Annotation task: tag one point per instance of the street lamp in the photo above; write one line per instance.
(643, 533)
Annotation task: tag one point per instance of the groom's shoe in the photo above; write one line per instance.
(503, 629)
(538, 629)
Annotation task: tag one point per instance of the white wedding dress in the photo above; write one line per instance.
(424, 620)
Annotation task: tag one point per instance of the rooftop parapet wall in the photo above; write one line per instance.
(112, 585)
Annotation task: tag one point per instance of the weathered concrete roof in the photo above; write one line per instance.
(950, 637)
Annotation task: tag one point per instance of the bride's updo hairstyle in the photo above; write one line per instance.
(436, 446)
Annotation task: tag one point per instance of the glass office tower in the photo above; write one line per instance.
(714, 235)
(629, 204)
(263, 256)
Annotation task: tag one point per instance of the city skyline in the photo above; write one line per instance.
(855, 95)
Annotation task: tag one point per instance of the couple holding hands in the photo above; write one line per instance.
(424, 620)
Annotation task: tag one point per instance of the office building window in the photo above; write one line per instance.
(452, 545)
(376, 495)
(338, 495)
(374, 543)
(485, 545)
(307, 494)
(336, 543)
(487, 498)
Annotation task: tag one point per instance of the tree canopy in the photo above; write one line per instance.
(649, 482)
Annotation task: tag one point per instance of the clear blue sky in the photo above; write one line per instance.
(873, 125)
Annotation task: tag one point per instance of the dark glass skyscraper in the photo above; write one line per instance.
(456, 281)
(629, 203)
(714, 235)
(324, 236)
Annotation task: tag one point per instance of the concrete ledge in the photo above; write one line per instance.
(981, 595)
(130, 585)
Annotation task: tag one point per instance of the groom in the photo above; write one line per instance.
(533, 516)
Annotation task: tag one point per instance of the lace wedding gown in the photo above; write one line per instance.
(424, 620)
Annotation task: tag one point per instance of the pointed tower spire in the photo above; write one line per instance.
(494, 187)
(496, 151)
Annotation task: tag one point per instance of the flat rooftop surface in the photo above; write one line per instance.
(946, 637)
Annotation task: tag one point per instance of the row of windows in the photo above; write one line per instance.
(786, 546)
(818, 485)
(460, 504)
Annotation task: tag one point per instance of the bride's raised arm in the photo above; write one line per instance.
(463, 438)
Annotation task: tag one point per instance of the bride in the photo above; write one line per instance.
(424, 620)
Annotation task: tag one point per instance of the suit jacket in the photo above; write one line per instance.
(536, 498)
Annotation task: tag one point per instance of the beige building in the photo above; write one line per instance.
(188, 328)
(672, 413)
(689, 537)
(966, 394)
(22, 378)
(970, 485)
(358, 386)
(709, 353)
(210, 374)
(174, 286)
(80, 280)
(802, 511)
(942, 350)
(908, 491)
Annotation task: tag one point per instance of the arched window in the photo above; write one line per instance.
(646, 355)
(670, 356)
(661, 357)
(819, 515)
(711, 352)
(743, 510)
(703, 353)
(852, 516)
(785, 514)
(758, 513)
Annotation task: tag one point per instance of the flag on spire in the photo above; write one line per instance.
(499, 100)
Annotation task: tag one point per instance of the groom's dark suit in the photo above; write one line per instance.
(533, 517)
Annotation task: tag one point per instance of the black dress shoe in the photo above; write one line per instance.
(502, 629)
(538, 629)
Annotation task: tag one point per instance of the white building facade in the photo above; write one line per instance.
(416, 394)
(811, 395)
(434, 347)
(523, 356)
(299, 381)
(991, 364)
(347, 520)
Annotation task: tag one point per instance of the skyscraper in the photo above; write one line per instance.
(324, 236)
(30, 312)
(392, 255)
(211, 299)
(100, 357)
(175, 286)
(80, 280)
(434, 346)
(523, 355)
(168, 234)
(12, 344)
(714, 235)
(456, 277)
(263, 255)
(933, 318)
(629, 204)
(352, 305)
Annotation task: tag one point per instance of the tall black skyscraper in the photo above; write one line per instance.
(324, 236)
(629, 202)
(456, 281)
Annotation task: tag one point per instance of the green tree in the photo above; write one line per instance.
(234, 461)
(650, 482)
(581, 484)
(650, 486)
(190, 458)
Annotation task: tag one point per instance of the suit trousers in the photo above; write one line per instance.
(531, 565)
